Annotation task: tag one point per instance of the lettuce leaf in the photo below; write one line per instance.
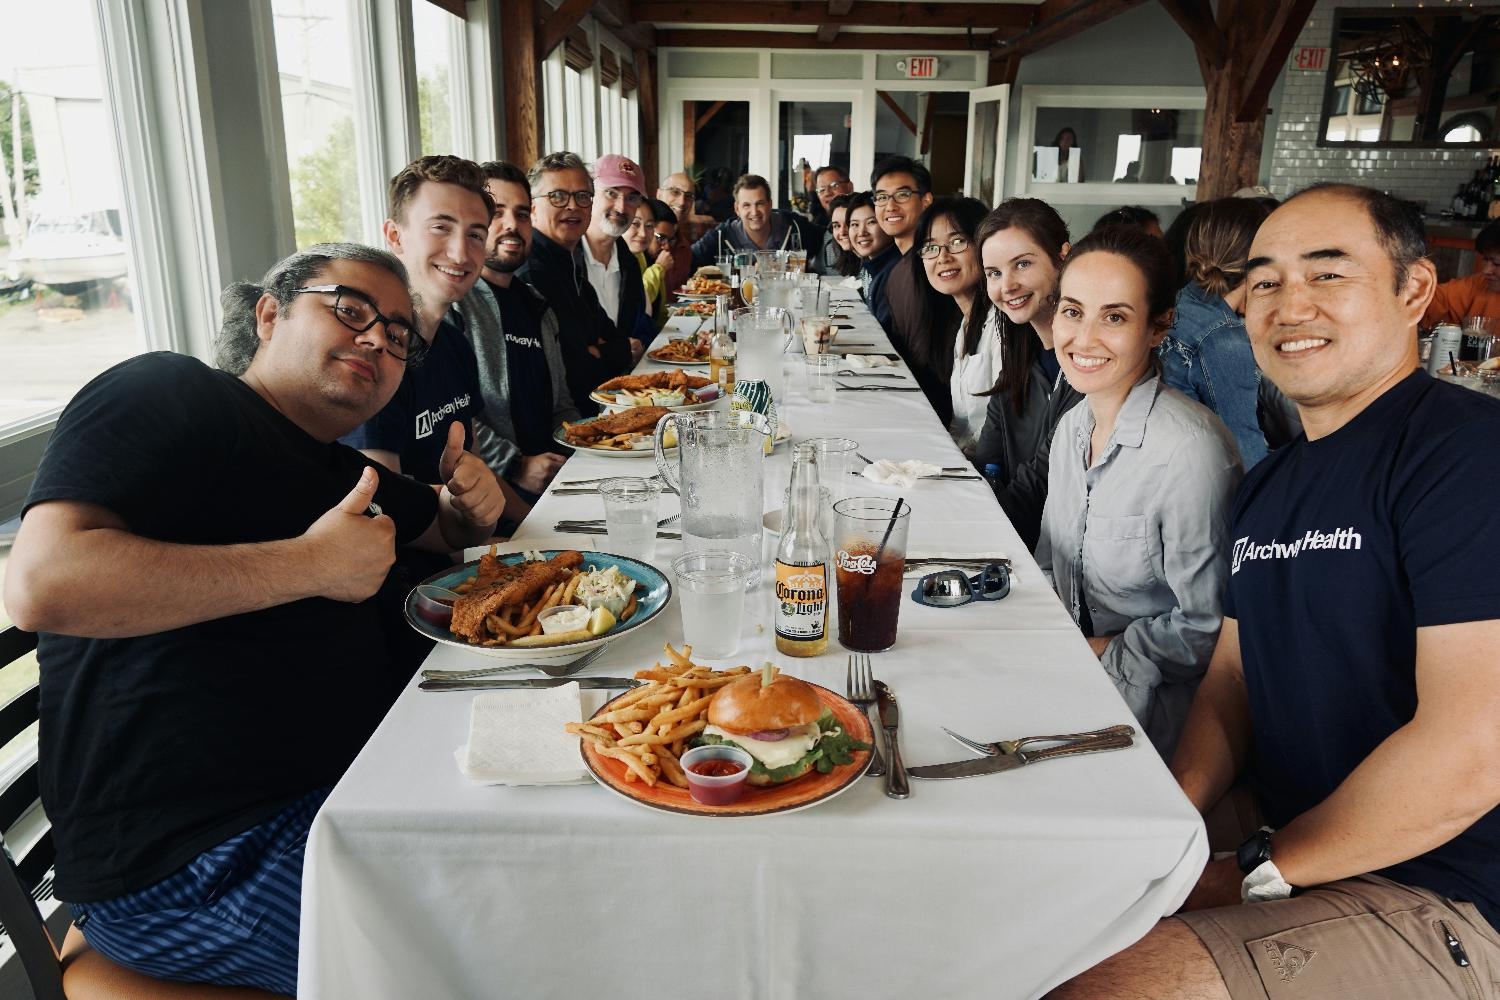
(834, 748)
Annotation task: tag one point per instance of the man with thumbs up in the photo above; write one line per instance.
(199, 553)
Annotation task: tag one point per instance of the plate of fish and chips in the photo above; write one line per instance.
(626, 433)
(503, 596)
(690, 351)
(674, 390)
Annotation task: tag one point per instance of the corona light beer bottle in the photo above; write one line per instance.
(801, 593)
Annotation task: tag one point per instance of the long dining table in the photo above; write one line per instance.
(421, 883)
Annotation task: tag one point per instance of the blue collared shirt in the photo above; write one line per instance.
(1207, 357)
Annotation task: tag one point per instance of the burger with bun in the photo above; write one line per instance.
(781, 722)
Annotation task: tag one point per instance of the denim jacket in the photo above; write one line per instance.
(1207, 357)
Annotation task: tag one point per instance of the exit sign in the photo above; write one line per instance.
(921, 67)
(1310, 59)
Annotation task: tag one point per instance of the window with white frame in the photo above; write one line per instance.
(438, 37)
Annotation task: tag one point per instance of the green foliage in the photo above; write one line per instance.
(435, 114)
(325, 190)
(28, 147)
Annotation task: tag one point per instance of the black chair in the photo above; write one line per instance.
(76, 971)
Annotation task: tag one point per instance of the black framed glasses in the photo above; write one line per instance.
(901, 196)
(662, 238)
(676, 192)
(357, 311)
(560, 198)
(835, 186)
(952, 588)
(956, 245)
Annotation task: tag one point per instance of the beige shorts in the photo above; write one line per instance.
(1366, 937)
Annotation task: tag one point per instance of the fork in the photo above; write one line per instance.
(1011, 746)
(860, 686)
(550, 669)
(600, 522)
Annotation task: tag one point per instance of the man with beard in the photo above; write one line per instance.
(562, 193)
(613, 271)
(514, 335)
(757, 226)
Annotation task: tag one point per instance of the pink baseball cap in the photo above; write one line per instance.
(616, 171)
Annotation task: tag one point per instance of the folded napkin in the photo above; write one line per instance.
(851, 282)
(869, 361)
(517, 738)
(903, 474)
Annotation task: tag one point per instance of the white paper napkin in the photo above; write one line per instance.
(903, 474)
(869, 361)
(851, 282)
(517, 738)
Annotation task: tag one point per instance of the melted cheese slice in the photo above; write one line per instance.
(776, 753)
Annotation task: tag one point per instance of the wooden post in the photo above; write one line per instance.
(523, 123)
(689, 135)
(645, 81)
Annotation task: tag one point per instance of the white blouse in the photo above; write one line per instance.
(973, 373)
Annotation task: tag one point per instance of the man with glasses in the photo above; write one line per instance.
(902, 190)
(562, 198)
(612, 269)
(828, 183)
(678, 191)
(514, 335)
(757, 226)
(199, 553)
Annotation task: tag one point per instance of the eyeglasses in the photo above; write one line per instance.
(661, 238)
(677, 193)
(951, 588)
(632, 198)
(560, 198)
(956, 245)
(834, 186)
(354, 309)
(900, 195)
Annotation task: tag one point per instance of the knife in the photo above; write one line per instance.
(1007, 762)
(890, 720)
(570, 530)
(512, 683)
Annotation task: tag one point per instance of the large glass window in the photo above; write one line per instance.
(813, 134)
(1122, 145)
(433, 31)
(317, 111)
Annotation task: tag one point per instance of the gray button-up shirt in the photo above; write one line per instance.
(1141, 539)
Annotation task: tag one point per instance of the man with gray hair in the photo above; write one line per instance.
(199, 553)
(593, 347)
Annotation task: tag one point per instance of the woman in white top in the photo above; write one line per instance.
(1135, 532)
(960, 333)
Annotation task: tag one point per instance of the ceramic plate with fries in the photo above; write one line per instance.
(514, 631)
(631, 745)
(680, 352)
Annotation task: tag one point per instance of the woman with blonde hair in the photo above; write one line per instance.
(1207, 354)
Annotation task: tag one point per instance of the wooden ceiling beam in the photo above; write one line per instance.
(861, 14)
(839, 8)
(708, 38)
(1196, 19)
(556, 25)
(615, 15)
(898, 111)
(1271, 51)
(1058, 20)
(827, 33)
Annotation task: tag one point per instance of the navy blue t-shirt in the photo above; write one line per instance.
(440, 390)
(1344, 547)
(529, 378)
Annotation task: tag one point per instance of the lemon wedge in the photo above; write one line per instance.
(601, 621)
(669, 437)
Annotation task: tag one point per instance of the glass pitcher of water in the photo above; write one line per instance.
(718, 469)
(761, 336)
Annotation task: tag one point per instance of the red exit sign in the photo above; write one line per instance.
(921, 67)
(1310, 59)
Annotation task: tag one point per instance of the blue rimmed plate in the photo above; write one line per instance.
(651, 596)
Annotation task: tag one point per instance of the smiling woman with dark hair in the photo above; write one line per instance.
(1135, 534)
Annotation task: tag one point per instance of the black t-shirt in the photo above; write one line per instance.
(157, 747)
(435, 393)
(1343, 548)
(529, 378)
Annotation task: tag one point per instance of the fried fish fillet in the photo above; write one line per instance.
(533, 577)
(676, 379)
(636, 420)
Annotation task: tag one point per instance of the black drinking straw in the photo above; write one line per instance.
(900, 501)
(1452, 363)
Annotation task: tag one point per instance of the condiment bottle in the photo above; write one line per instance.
(721, 348)
(802, 565)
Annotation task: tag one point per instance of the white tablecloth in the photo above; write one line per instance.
(420, 884)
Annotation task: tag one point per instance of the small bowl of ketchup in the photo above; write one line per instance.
(716, 774)
(435, 605)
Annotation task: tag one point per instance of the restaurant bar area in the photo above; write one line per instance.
(827, 498)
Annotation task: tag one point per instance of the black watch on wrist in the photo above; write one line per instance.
(1255, 851)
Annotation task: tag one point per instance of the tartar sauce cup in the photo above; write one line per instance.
(716, 789)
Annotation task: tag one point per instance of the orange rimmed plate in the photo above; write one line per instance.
(799, 794)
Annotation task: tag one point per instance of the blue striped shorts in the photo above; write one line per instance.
(230, 916)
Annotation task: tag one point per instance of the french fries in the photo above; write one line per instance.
(646, 728)
(520, 625)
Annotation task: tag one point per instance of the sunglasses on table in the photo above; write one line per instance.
(357, 311)
(951, 588)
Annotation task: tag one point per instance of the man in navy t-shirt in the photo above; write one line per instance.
(1356, 683)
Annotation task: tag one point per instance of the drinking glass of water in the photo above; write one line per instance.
(630, 515)
(711, 588)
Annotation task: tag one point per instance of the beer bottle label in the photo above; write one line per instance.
(801, 600)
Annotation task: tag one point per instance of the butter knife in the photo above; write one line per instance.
(890, 720)
(513, 683)
(1007, 762)
(566, 529)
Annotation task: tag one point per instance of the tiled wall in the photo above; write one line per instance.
(1424, 175)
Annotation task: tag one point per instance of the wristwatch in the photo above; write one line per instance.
(1255, 851)
(1263, 880)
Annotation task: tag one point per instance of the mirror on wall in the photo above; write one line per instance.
(1413, 77)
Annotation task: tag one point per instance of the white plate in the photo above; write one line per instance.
(610, 406)
(772, 520)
